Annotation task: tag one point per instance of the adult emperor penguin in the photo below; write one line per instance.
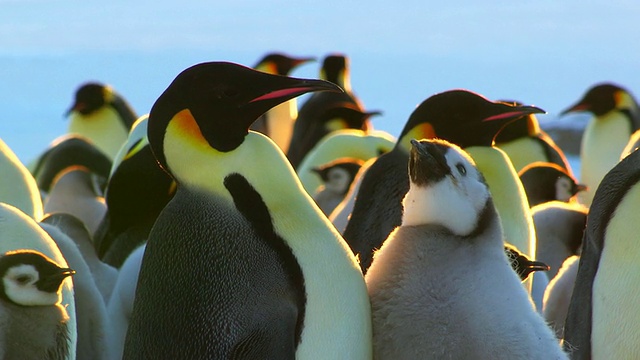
(274, 278)
(137, 191)
(70, 150)
(525, 142)
(543, 181)
(603, 321)
(461, 117)
(277, 123)
(34, 325)
(312, 123)
(102, 115)
(426, 303)
(21, 232)
(615, 117)
(17, 185)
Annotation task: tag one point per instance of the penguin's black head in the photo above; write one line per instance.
(427, 163)
(224, 99)
(348, 115)
(30, 278)
(334, 68)
(281, 64)
(90, 97)
(599, 99)
(464, 117)
(521, 264)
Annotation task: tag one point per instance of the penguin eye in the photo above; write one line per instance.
(23, 279)
(461, 169)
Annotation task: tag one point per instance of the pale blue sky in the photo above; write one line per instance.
(541, 52)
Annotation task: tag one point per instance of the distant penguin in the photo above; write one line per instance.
(459, 116)
(544, 182)
(104, 275)
(615, 117)
(310, 126)
(21, 232)
(34, 325)
(102, 115)
(557, 296)
(120, 306)
(603, 321)
(525, 143)
(77, 192)
(441, 285)
(17, 185)
(338, 176)
(241, 227)
(278, 122)
(91, 310)
(347, 143)
(137, 191)
(559, 230)
(70, 150)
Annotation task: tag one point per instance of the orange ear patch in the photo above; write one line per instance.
(185, 125)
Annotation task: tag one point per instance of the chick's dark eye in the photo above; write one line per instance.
(461, 169)
(23, 279)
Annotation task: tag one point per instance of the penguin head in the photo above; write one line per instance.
(335, 68)
(339, 174)
(91, 97)
(523, 126)
(280, 64)
(29, 278)
(461, 117)
(446, 188)
(547, 181)
(602, 98)
(218, 101)
(521, 264)
(345, 115)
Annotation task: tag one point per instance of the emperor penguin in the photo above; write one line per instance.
(603, 319)
(425, 301)
(17, 185)
(525, 142)
(91, 310)
(274, 278)
(66, 151)
(543, 182)
(615, 117)
(138, 189)
(461, 117)
(277, 123)
(102, 115)
(338, 176)
(33, 324)
(77, 192)
(309, 127)
(21, 232)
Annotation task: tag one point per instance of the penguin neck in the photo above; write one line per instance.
(102, 127)
(420, 131)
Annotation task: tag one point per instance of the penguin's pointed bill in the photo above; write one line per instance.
(238, 94)
(52, 282)
(427, 163)
(518, 111)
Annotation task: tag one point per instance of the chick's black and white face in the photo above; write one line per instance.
(338, 180)
(454, 200)
(20, 286)
(564, 188)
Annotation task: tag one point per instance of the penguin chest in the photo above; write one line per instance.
(212, 286)
(103, 128)
(616, 319)
(603, 141)
(523, 152)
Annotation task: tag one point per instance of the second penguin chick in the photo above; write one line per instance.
(441, 285)
(34, 323)
(337, 176)
(544, 182)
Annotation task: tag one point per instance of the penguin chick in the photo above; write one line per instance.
(557, 296)
(102, 115)
(544, 182)
(34, 323)
(337, 176)
(521, 264)
(426, 302)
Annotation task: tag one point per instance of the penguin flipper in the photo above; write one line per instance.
(266, 343)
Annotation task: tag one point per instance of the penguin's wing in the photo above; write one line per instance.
(378, 207)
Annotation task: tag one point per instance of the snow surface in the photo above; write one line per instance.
(541, 52)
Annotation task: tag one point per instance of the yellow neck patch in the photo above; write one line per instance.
(419, 132)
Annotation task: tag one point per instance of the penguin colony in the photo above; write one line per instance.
(201, 230)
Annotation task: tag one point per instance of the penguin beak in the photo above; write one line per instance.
(532, 267)
(300, 61)
(515, 112)
(426, 163)
(74, 107)
(296, 89)
(576, 108)
(579, 187)
(52, 282)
